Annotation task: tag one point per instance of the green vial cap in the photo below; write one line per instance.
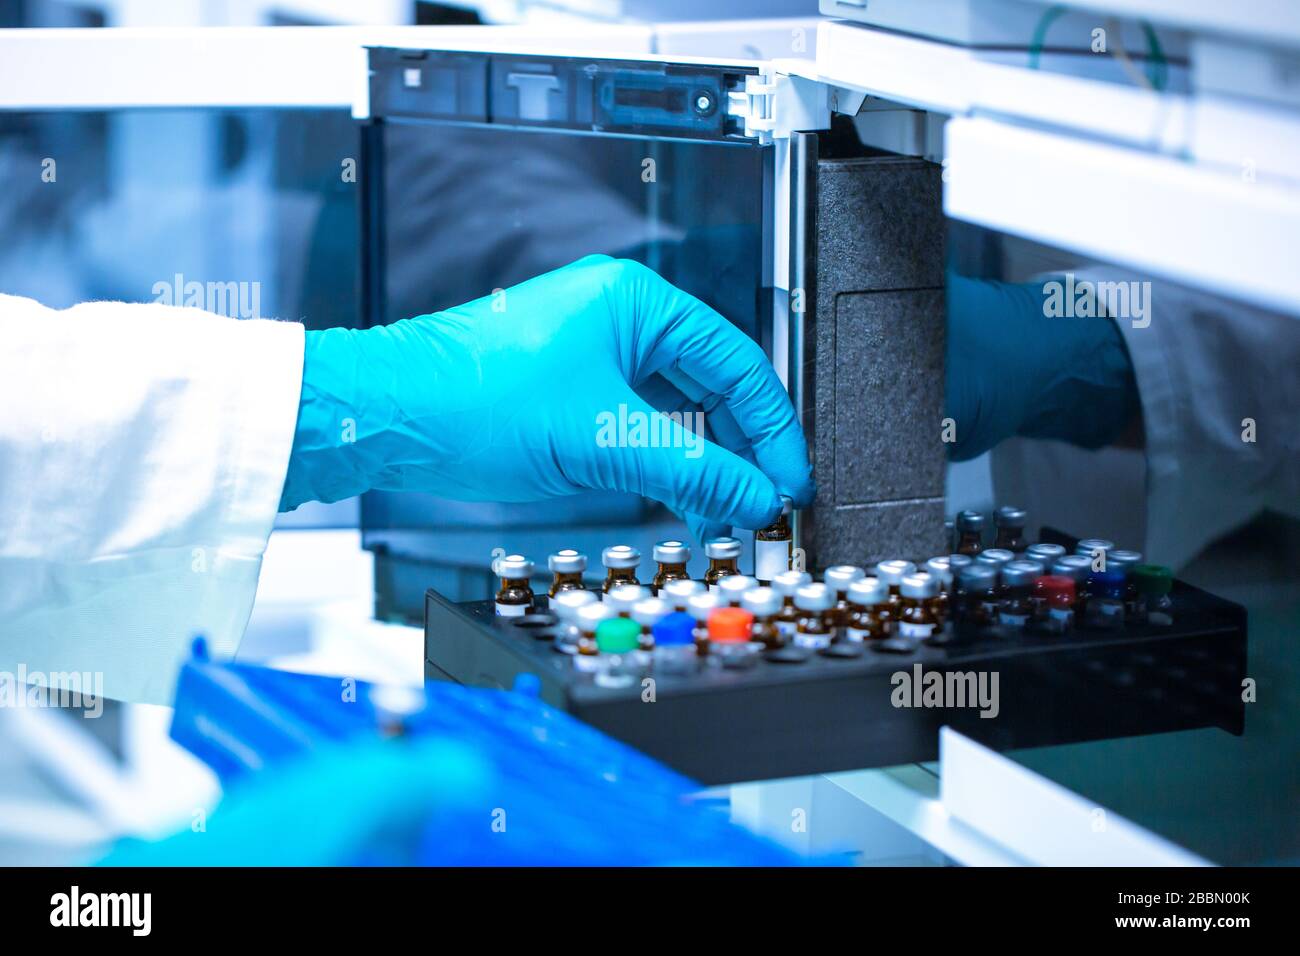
(617, 635)
(1153, 579)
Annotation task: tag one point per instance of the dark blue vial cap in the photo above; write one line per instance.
(199, 648)
(674, 629)
(1110, 582)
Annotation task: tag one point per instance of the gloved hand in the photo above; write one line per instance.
(1014, 370)
(536, 392)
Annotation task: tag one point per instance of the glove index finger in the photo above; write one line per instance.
(686, 335)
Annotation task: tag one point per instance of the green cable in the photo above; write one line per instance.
(1158, 67)
(1050, 15)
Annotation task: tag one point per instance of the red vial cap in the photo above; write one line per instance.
(1055, 586)
(731, 625)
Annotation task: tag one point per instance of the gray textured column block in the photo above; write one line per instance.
(874, 363)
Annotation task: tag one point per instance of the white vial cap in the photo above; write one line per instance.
(700, 606)
(814, 597)
(589, 615)
(868, 591)
(940, 569)
(681, 590)
(648, 612)
(787, 582)
(620, 556)
(722, 548)
(840, 576)
(622, 598)
(892, 572)
(734, 586)
(919, 586)
(565, 605)
(761, 602)
(567, 561)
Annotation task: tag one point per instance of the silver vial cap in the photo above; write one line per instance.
(814, 597)
(1021, 573)
(761, 602)
(622, 598)
(868, 591)
(1090, 546)
(840, 576)
(565, 605)
(620, 557)
(996, 556)
(1123, 558)
(567, 561)
(893, 571)
(1076, 566)
(958, 561)
(919, 586)
(681, 590)
(1046, 553)
(787, 582)
(940, 568)
(734, 586)
(1010, 517)
(970, 521)
(672, 552)
(513, 567)
(700, 606)
(589, 615)
(648, 612)
(722, 548)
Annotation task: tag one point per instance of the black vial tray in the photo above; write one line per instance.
(831, 713)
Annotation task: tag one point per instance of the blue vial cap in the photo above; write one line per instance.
(199, 648)
(674, 629)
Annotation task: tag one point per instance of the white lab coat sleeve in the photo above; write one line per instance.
(1219, 392)
(143, 450)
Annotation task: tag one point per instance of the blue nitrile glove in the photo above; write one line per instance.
(1014, 370)
(537, 392)
(344, 804)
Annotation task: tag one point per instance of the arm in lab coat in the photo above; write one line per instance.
(143, 450)
(1220, 391)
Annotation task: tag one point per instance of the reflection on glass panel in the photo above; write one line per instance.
(245, 213)
(469, 210)
(238, 211)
